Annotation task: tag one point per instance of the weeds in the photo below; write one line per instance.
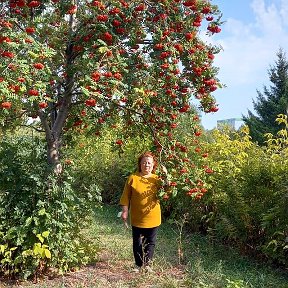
(207, 265)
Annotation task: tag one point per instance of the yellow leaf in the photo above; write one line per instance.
(102, 49)
(47, 253)
(40, 238)
(32, 54)
(37, 249)
(45, 234)
(2, 248)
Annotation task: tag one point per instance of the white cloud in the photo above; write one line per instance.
(268, 18)
(284, 11)
(249, 50)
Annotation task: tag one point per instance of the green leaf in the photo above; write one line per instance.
(32, 54)
(139, 90)
(186, 188)
(85, 91)
(28, 221)
(42, 211)
(102, 42)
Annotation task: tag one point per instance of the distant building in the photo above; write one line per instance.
(229, 122)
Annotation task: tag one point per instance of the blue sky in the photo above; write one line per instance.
(251, 36)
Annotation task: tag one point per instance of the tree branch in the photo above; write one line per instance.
(142, 116)
(46, 127)
(33, 127)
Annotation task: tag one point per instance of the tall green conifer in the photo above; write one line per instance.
(271, 102)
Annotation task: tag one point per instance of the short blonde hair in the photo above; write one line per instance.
(147, 154)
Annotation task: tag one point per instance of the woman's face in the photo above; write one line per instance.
(146, 164)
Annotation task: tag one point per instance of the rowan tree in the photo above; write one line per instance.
(86, 64)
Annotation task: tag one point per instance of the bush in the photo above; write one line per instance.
(246, 204)
(41, 216)
(248, 201)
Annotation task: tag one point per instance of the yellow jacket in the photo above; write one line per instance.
(140, 195)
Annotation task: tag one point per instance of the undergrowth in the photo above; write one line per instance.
(204, 264)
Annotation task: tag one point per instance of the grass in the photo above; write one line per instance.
(206, 265)
(202, 264)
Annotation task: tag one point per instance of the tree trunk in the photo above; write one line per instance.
(54, 129)
(53, 142)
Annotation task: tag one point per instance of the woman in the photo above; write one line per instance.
(140, 197)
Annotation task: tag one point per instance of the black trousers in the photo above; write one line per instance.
(144, 240)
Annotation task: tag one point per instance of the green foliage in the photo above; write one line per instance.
(274, 220)
(246, 201)
(247, 204)
(206, 264)
(191, 176)
(100, 167)
(41, 216)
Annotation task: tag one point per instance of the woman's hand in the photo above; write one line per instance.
(166, 178)
(124, 216)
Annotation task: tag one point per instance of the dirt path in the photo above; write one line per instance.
(113, 268)
(105, 273)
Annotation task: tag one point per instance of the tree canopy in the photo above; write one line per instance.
(128, 65)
